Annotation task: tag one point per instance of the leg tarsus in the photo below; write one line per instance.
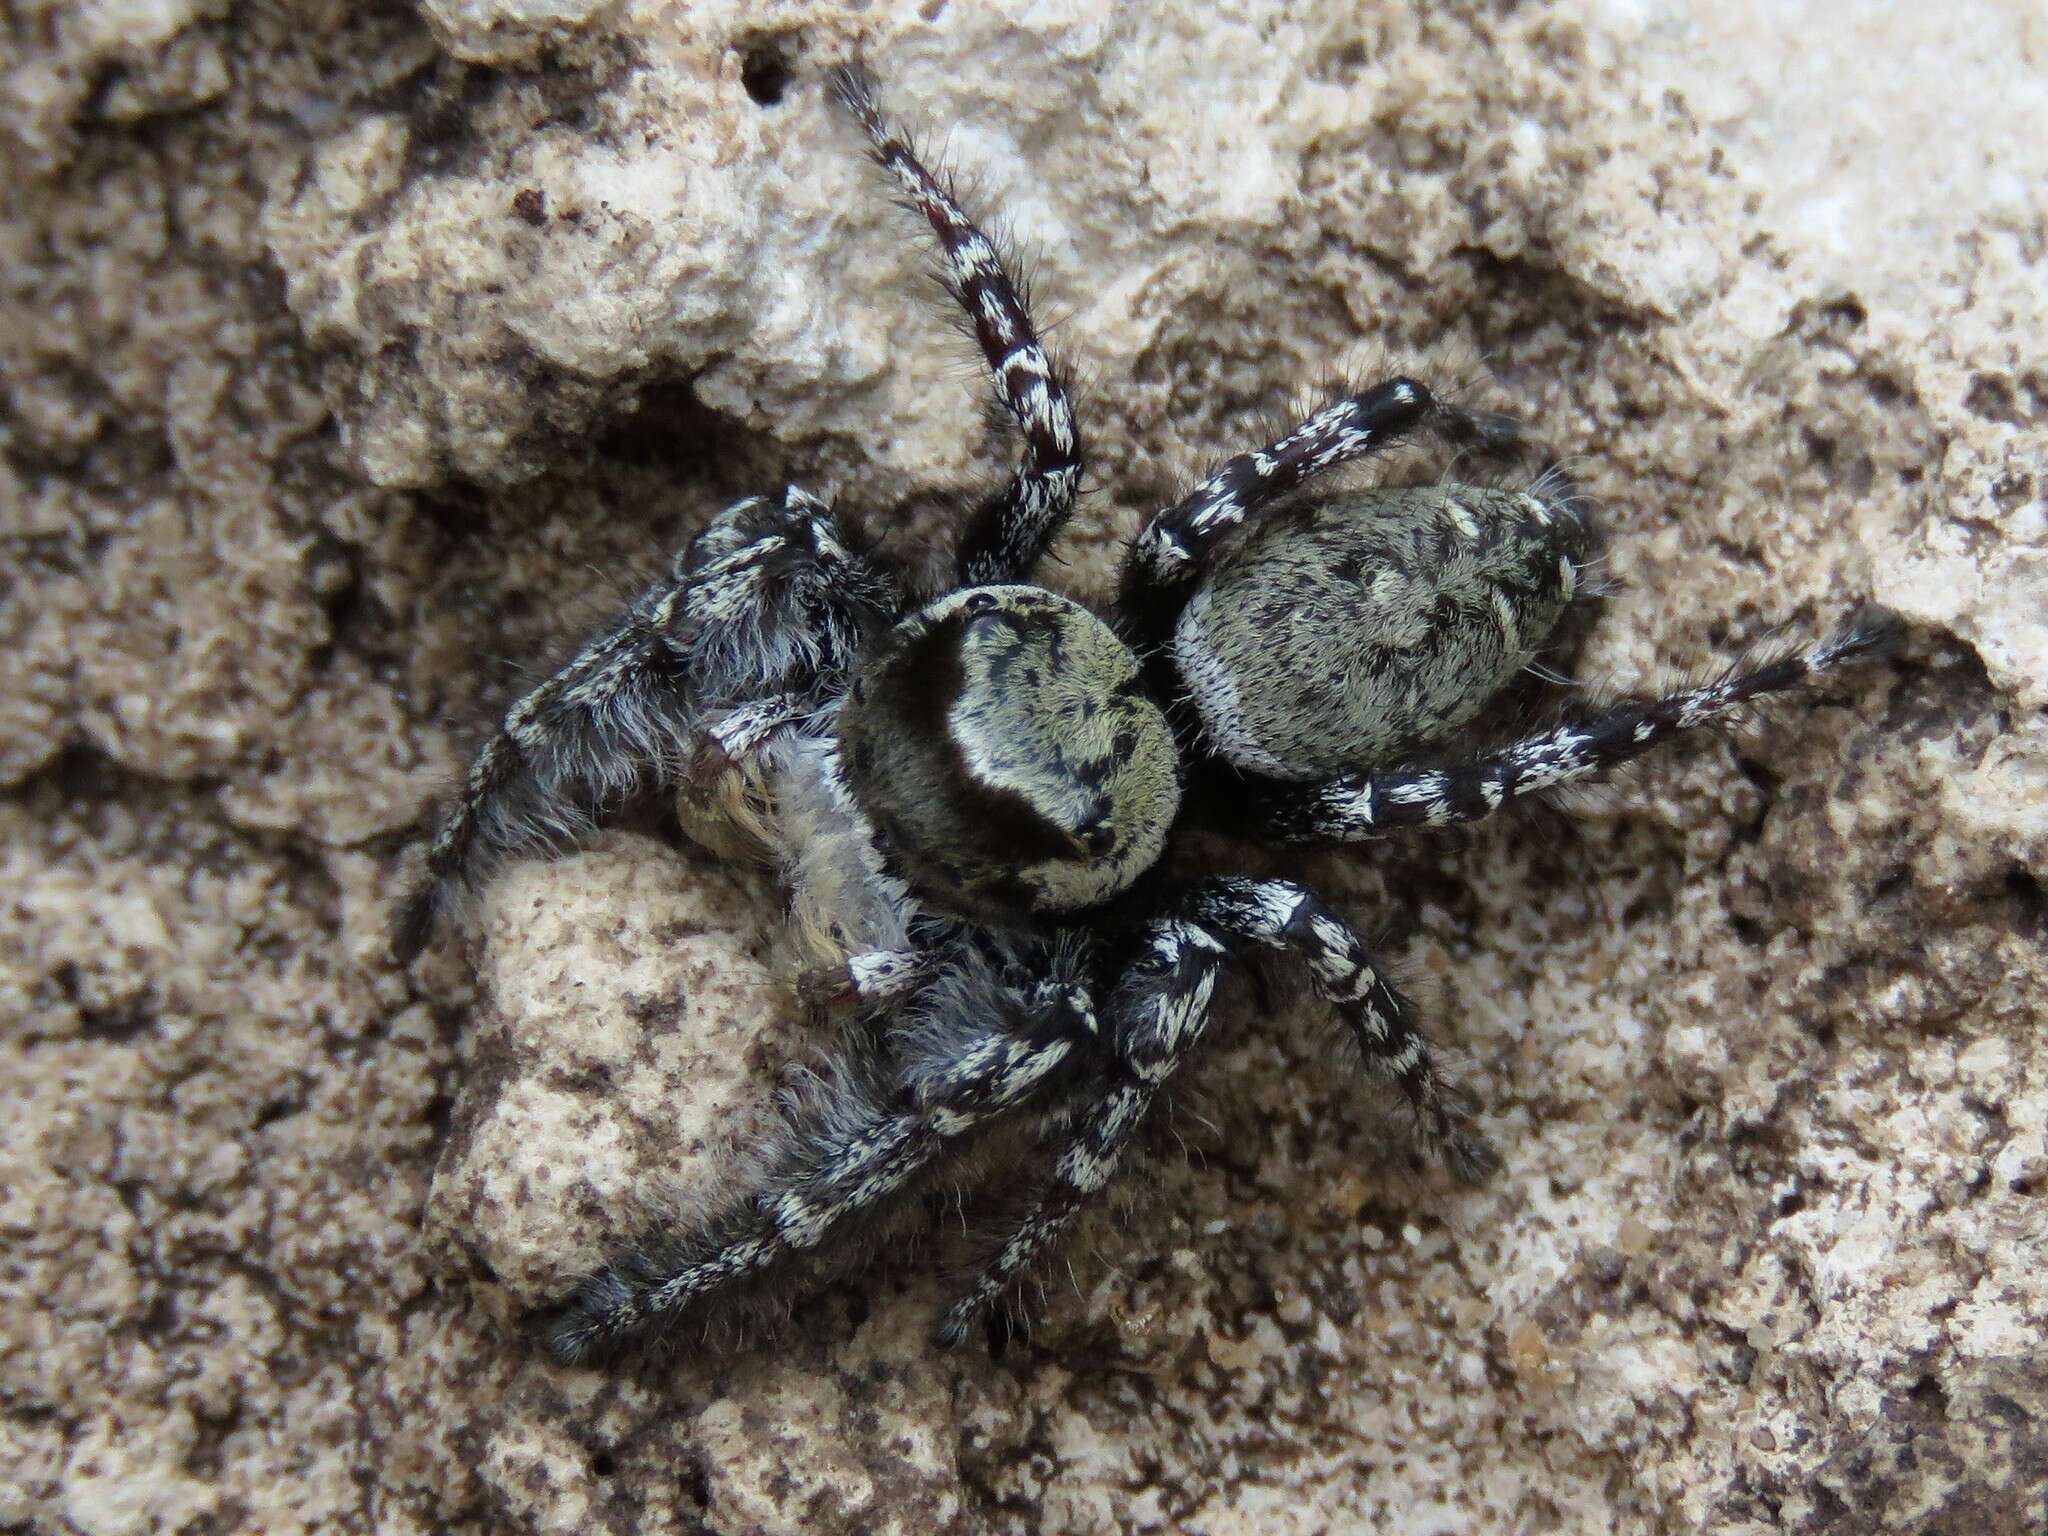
(1487, 432)
(1469, 1156)
(414, 926)
(1872, 633)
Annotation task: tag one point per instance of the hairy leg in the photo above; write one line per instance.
(739, 734)
(1155, 1015)
(1009, 532)
(759, 615)
(977, 1052)
(1161, 1008)
(1174, 548)
(1359, 806)
(1281, 915)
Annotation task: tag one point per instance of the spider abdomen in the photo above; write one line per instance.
(1346, 629)
(1002, 741)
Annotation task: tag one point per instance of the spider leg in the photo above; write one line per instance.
(1173, 549)
(1160, 1009)
(1009, 532)
(1281, 915)
(1157, 1012)
(740, 733)
(756, 620)
(862, 1143)
(1365, 805)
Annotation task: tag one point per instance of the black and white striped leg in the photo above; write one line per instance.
(1154, 1017)
(1281, 915)
(1009, 532)
(859, 1144)
(761, 612)
(1174, 548)
(1361, 806)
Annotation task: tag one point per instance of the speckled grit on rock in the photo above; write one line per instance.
(353, 355)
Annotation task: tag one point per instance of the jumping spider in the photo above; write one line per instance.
(971, 793)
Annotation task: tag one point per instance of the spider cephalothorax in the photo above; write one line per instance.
(1002, 743)
(971, 794)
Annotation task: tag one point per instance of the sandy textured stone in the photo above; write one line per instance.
(354, 356)
(510, 31)
(634, 1052)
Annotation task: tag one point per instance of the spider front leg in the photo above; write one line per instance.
(978, 1051)
(758, 617)
(1360, 806)
(1009, 532)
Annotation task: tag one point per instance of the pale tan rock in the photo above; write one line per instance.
(620, 1069)
(510, 31)
(353, 356)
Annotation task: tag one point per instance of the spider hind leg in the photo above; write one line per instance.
(1354, 807)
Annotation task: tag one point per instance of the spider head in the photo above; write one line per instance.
(1003, 743)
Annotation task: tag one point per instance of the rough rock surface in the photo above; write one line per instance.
(341, 341)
